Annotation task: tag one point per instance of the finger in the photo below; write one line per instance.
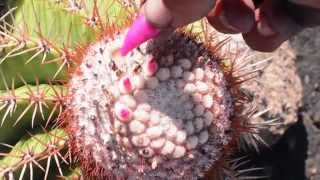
(309, 3)
(259, 42)
(163, 15)
(232, 16)
(176, 13)
(157, 13)
(304, 15)
(273, 27)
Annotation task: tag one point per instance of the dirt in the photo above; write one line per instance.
(307, 46)
(290, 87)
(278, 89)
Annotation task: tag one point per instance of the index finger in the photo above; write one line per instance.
(162, 15)
(176, 13)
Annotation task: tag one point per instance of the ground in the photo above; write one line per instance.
(290, 87)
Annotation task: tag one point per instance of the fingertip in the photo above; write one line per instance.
(264, 28)
(256, 41)
(240, 14)
(220, 24)
(273, 27)
(231, 16)
(156, 12)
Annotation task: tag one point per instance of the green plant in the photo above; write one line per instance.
(172, 110)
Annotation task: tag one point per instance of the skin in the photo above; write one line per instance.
(268, 21)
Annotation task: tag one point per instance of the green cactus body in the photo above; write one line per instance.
(32, 150)
(23, 101)
(72, 107)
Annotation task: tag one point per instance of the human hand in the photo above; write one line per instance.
(160, 17)
(278, 20)
(264, 25)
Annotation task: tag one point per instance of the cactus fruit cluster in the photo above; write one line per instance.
(72, 107)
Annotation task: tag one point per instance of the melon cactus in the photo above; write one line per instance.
(72, 106)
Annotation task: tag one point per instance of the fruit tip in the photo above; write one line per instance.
(141, 31)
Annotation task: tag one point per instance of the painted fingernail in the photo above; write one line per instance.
(140, 31)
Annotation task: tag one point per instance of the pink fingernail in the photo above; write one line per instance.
(140, 31)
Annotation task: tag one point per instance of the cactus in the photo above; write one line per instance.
(72, 106)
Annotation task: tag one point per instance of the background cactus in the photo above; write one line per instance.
(59, 62)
